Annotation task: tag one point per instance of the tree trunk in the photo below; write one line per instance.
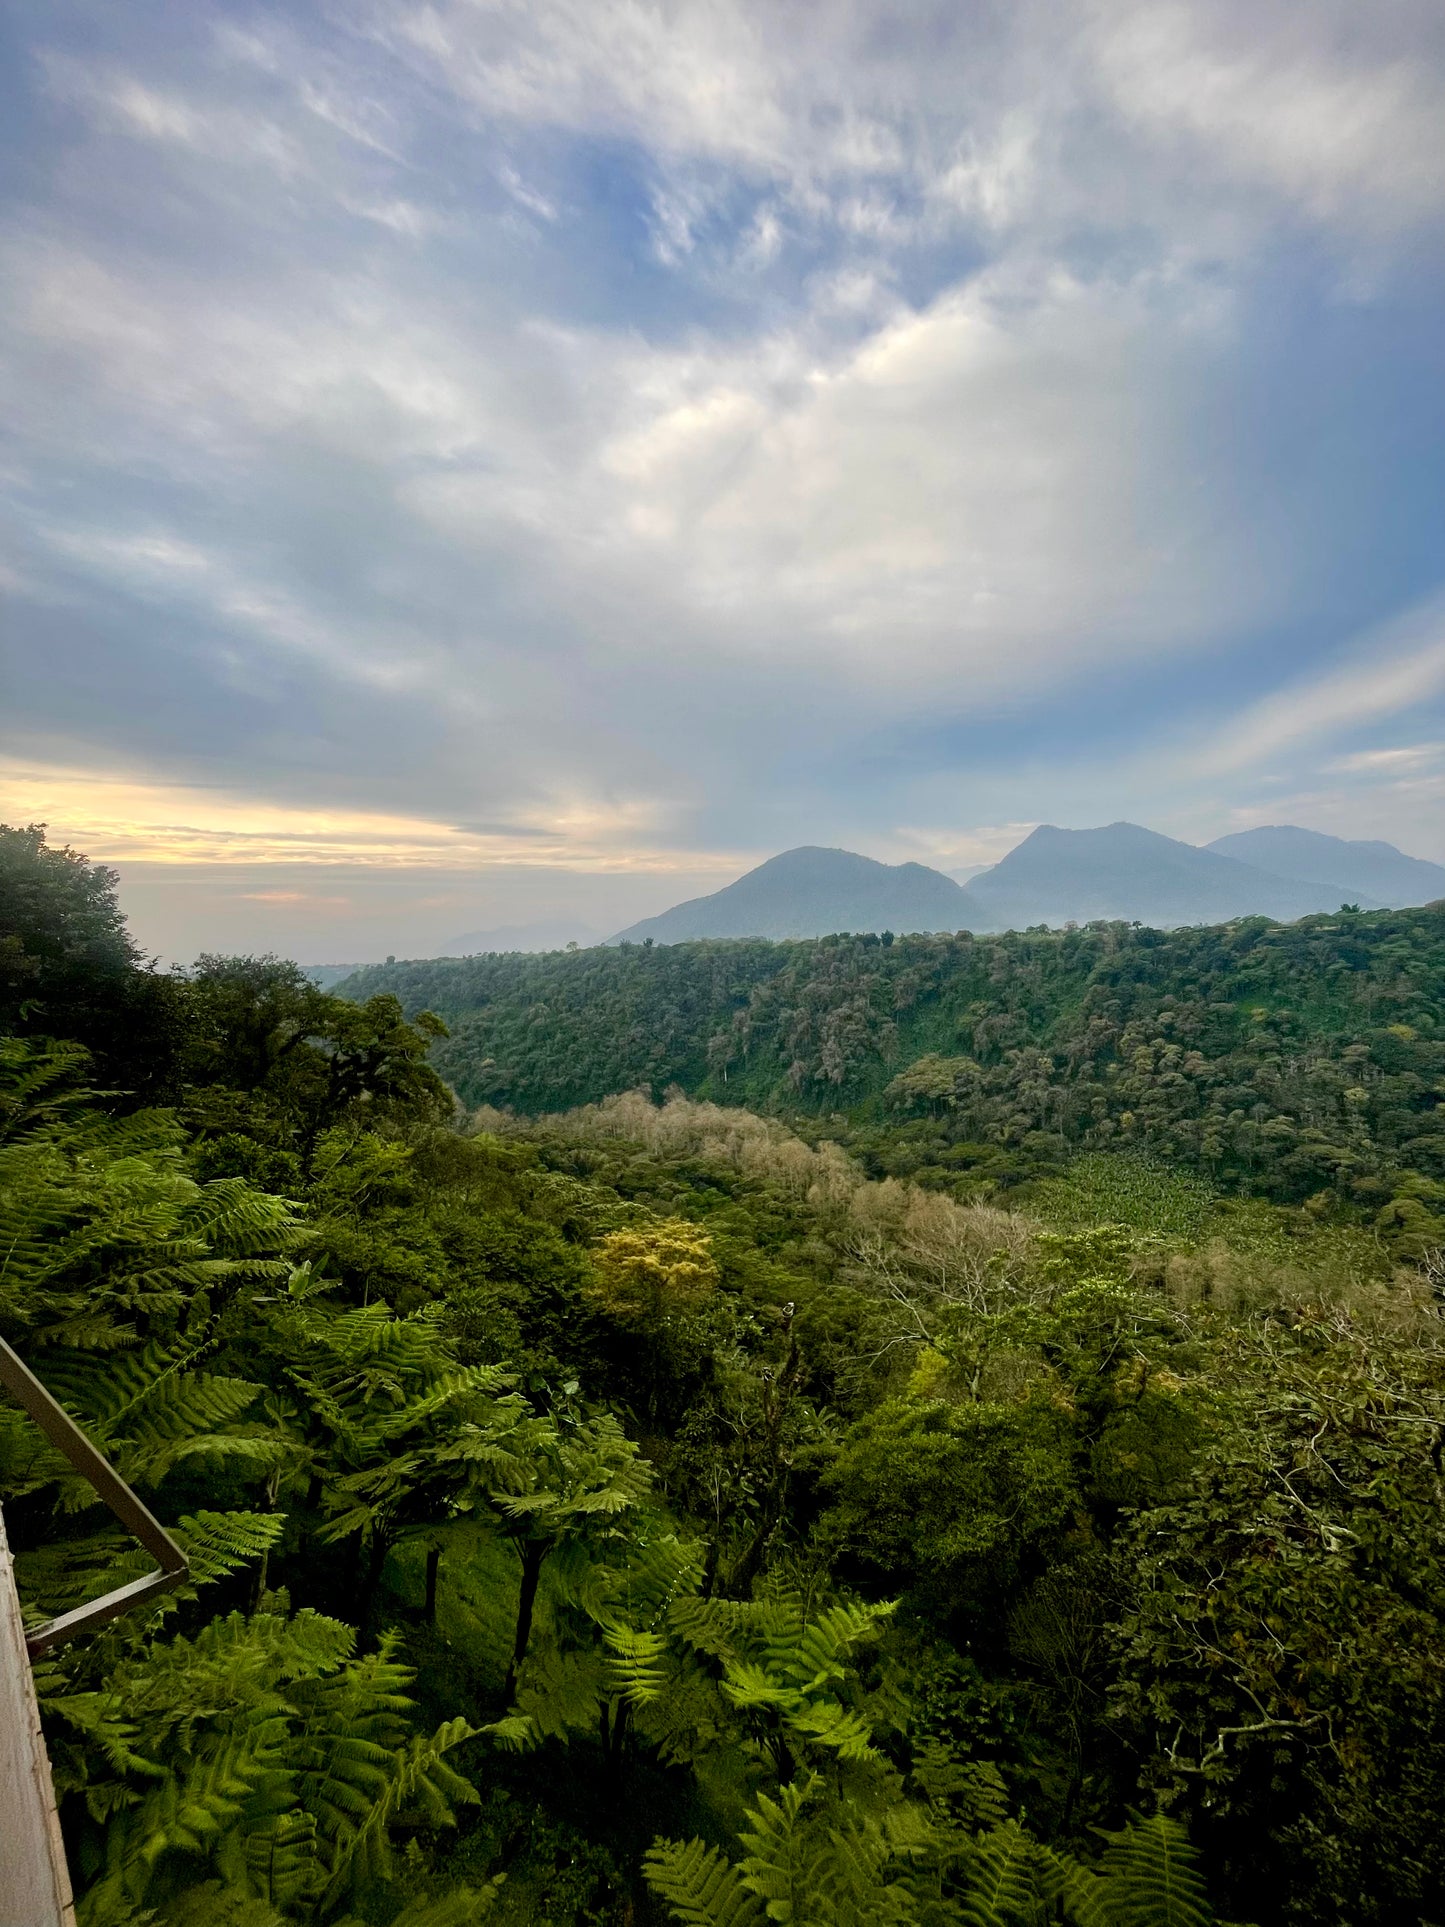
(433, 1561)
(380, 1547)
(740, 1579)
(258, 1581)
(533, 1553)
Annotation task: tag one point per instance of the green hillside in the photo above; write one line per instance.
(1279, 1059)
(654, 1515)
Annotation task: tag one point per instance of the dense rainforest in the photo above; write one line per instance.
(1301, 1062)
(973, 1452)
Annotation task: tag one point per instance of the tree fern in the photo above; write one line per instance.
(1150, 1876)
(700, 1886)
(264, 1746)
(1002, 1872)
(636, 1665)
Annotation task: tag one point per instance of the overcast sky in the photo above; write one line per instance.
(491, 460)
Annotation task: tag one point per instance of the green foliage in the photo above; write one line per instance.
(275, 1049)
(69, 968)
(704, 1480)
(1149, 1878)
(1284, 1060)
(811, 1860)
(957, 1493)
(263, 1749)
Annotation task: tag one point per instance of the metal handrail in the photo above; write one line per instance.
(66, 1436)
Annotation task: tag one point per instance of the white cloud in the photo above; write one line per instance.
(1398, 666)
(1401, 761)
(1280, 97)
(693, 80)
(127, 817)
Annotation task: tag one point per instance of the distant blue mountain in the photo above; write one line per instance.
(1136, 875)
(811, 893)
(1376, 870)
(553, 935)
(326, 976)
(1118, 872)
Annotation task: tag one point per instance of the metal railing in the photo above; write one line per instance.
(66, 1436)
(34, 1879)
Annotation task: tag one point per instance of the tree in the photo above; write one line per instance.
(551, 1479)
(955, 1498)
(306, 1058)
(646, 1273)
(70, 969)
(652, 1281)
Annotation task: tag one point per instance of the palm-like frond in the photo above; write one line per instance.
(700, 1885)
(1003, 1876)
(1151, 1876)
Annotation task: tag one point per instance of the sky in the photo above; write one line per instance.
(487, 462)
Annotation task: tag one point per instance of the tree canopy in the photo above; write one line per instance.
(664, 1512)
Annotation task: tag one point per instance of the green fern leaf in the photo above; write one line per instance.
(1152, 1878)
(636, 1669)
(699, 1885)
(1001, 1888)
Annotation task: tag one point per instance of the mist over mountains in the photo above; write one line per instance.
(1118, 872)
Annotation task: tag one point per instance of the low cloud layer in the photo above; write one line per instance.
(565, 441)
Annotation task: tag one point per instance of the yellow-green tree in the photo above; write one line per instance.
(646, 1273)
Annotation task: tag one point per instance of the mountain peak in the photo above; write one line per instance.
(1122, 871)
(812, 891)
(1117, 871)
(1377, 871)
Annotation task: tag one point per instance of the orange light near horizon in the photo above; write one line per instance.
(120, 819)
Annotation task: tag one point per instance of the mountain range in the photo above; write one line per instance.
(1118, 872)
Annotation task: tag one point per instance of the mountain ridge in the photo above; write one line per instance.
(1122, 872)
(1116, 872)
(1394, 878)
(813, 891)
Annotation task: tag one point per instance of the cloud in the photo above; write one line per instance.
(1391, 762)
(118, 817)
(1288, 99)
(1398, 666)
(294, 896)
(642, 431)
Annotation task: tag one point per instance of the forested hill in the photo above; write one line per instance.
(643, 1515)
(1283, 1058)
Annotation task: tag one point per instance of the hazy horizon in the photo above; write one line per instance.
(241, 921)
(484, 465)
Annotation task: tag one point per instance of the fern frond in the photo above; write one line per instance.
(517, 1732)
(420, 1778)
(636, 1666)
(1001, 1888)
(700, 1886)
(972, 1790)
(1152, 1878)
(281, 1861)
(785, 1865)
(688, 1720)
(848, 1734)
(750, 1687)
(706, 1625)
(459, 1907)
